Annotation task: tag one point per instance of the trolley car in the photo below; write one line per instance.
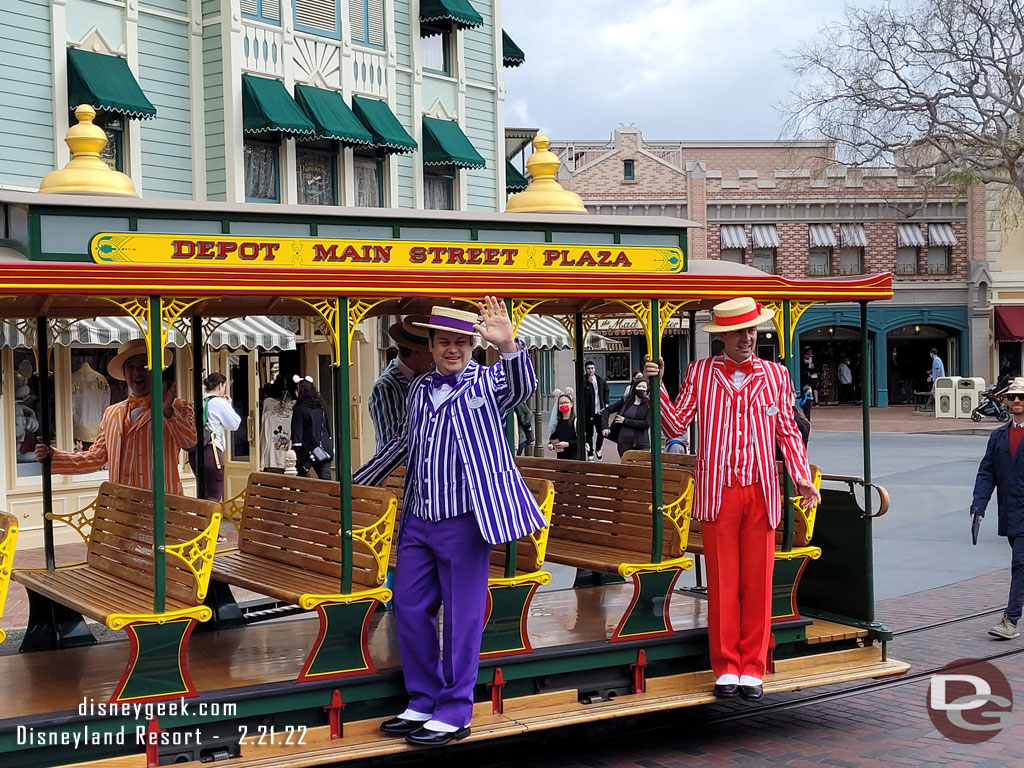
(311, 686)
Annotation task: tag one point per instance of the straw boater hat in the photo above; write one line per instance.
(408, 333)
(131, 349)
(1016, 387)
(455, 320)
(734, 314)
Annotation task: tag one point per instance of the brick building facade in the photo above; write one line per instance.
(790, 209)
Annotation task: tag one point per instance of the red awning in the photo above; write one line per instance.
(1010, 323)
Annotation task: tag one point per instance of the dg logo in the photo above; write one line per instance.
(970, 701)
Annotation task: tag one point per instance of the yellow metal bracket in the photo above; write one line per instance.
(197, 554)
(80, 520)
(232, 509)
(628, 569)
(540, 538)
(569, 323)
(812, 552)
(121, 620)
(537, 577)
(379, 536)
(796, 311)
(808, 513)
(520, 309)
(311, 601)
(642, 310)
(678, 513)
(6, 567)
(326, 321)
(171, 310)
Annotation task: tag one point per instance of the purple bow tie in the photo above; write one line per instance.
(439, 380)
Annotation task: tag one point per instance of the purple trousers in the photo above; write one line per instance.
(443, 563)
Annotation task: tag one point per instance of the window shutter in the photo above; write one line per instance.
(250, 7)
(271, 9)
(317, 14)
(357, 19)
(375, 21)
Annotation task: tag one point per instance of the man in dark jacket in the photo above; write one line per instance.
(1002, 470)
(595, 400)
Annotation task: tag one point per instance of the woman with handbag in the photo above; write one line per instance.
(563, 432)
(311, 435)
(630, 427)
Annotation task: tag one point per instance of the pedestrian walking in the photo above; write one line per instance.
(595, 399)
(628, 422)
(845, 377)
(563, 438)
(311, 435)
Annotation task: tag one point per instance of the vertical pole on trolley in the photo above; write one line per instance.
(654, 391)
(43, 369)
(511, 547)
(789, 361)
(865, 390)
(692, 318)
(581, 415)
(197, 399)
(156, 377)
(343, 441)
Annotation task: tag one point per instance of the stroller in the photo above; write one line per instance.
(991, 401)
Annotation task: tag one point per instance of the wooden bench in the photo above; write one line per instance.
(289, 547)
(115, 586)
(8, 540)
(602, 521)
(789, 563)
(508, 596)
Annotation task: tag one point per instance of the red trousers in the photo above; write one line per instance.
(739, 548)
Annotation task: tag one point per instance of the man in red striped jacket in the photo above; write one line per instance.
(742, 406)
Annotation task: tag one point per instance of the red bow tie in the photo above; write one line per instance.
(731, 367)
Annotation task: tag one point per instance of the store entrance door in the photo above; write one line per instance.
(242, 388)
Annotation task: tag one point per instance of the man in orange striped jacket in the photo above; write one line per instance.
(742, 406)
(125, 440)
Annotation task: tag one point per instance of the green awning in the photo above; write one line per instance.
(444, 143)
(458, 12)
(380, 121)
(511, 54)
(105, 83)
(514, 180)
(332, 116)
(267, 106)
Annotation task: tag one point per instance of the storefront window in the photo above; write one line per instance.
(851, 261)
(238, 389)
(27, 427)
(317, 172)
(764, 259)
(938, 261)
(819, 261)
(261, 184)
(735, 255)
(435, 48)
(369, 182)
(906, 261)
(439, 189)
(92, 390)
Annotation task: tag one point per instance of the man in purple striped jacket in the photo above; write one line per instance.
(463, 493)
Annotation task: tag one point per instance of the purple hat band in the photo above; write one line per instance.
(462, 326)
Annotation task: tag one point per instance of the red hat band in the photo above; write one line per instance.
(746, 317)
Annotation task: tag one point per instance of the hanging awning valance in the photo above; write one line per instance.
(444, 143)
(267, 106)
(253, 332)
(332, 116)
(514, 180)
(511, 54)
(733, 236)
(765, 236)
(821, 236)
(941, 235)
(105, 83)
(460, 13)
(380, 121)
(909, 236)
(1009, 323)
(853, 236)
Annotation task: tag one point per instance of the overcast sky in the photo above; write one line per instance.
(677, 69)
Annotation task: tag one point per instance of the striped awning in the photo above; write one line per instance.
(734, 236)
(941, 235)
(821, 236)
(254, 332)
(853, 235)
(546, 333)
(909, 236)
(765, 236)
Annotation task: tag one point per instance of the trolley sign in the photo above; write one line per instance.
(381, 255)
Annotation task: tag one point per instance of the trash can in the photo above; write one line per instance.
(968, 392)
(945, 397)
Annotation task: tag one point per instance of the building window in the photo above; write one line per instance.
(435, 49)
(764, 259)
(735, 255)
(268, 11)
(439, 188)
(27, 427)
(851, 261)
(262, 183)
(369, 178)
(939, 260)
(366, 22)
(906, 260)
(628, 171)
(317, 173)
(819, 261)
(320, 17)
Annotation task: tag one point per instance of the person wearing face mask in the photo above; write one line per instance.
(628, 422)
(563, 437)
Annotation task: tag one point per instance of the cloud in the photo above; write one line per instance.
(678, 69)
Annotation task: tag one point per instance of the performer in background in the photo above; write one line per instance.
(742, 406)
(124, 443)
(387, 401)
(463, 493)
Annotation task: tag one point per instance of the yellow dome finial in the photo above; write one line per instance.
(544, 194)
(86, 173)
